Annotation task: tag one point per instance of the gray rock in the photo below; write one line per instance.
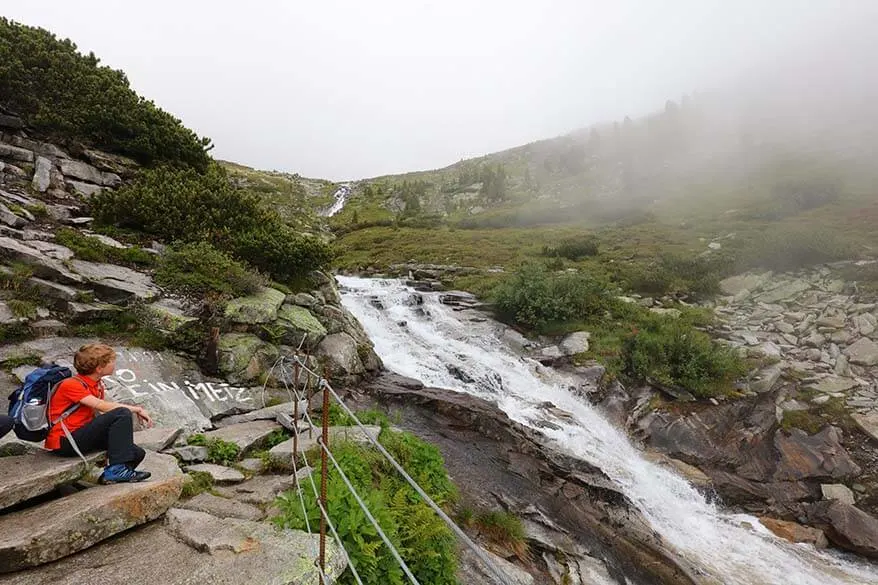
(42, 175)
(864, 352)
(292, 552)
(12, 170)
(42, 265)
(341, 354)
(301, 327)
(575, 343)
(267, 413)
(61, 527)
(846, 526)
(107, 240)
(191, 453)
(252, 465)
(784, 327)
(247, 435)
(116, 282)
(832, 384)
(767, 377)
(53, 290)
(472, 569)
(303, 300)
(91, 311)
(86, 190)
(157, 438)
(28, 476)
(221, 475)
(819, 456)
(841, 366)
(815, 339)
(110, 180)
(78, 221)
(7, 217)
(263, 490)
(8, 317)
(742, 285)
(45, 327)
(52, 250)
(672, 313)
(254, 309)
(13, 122)
(80, 170)
(168, 315)
(222, 507)
(153, 556)
(16, 153)
(837, 491)
(785, 291)
(244, 357)
(868, 423)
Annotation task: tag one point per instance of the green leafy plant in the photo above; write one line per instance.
(218, 451)
(22, 309)
(199, 269)
(195, 483)
(424, 542)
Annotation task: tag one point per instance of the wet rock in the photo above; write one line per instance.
(846, 526)
(817, 456)
(795, 532)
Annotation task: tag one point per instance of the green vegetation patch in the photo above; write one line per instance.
(426, 544)
(218, 451)
(70, 96)
(198, 269)
(93, 250)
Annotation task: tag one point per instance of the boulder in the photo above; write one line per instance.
(341, 354)
(300, 327)
(575, 343)
(837, 491)
(303, 300)
(151, 555)
(12, 170)
(8, 316)
(472, 569)
(15, 153)
(865, 323)
(116, 283)
(87, 190)
(9, 218)
(832, 384)
(61, 527)
(846, 526)
(766, 378)
(169, 315)
(41, 264)
(795, 532)
(257, 308)
(80, 170)
(262, 490)
(812, 457)
(53, 291)
(191, 453)
(220, 474)
(111, 163)
(247, 435)
(742, 285)
(868, 423)
(244, 357)
(80, 312)
(52, 250)
(42, 175)
(290, 550)
(863, 352)
(27, 476)
(222, 507)
(157, 438)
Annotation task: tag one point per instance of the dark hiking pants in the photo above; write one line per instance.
(5, 424)
(112, 431)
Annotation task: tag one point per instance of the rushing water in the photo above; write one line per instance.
(341, 197)
(422, 340)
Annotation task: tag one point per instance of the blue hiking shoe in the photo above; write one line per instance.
(121, 473)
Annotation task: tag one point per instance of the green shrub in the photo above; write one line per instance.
(573, 248)
(195, 483)
(67, 95)
(426, 544)
(670, 273)
(538, 299)
(22, 309)
(199, 269)
(183, 205)
(93, 250)
(370, 416)
(671, 352)
(504, 529)
(218, 451)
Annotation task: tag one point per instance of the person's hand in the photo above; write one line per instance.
(142, 415)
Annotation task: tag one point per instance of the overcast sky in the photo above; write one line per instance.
(351, 89)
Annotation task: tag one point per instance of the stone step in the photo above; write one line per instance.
(193, 548)
(23, 477)
(247, 435)
(53, 530)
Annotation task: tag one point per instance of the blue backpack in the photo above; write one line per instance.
(29, 404)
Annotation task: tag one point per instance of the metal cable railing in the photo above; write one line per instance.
(297, 396)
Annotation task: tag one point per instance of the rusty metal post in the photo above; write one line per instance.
(323, 478)
(295, 414)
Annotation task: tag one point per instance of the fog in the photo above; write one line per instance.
(345, 90)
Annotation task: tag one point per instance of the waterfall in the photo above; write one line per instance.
(341, 196)
(442, 347)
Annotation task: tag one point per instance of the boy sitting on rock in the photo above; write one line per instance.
(112, 430)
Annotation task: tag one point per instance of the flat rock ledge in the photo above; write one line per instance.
(61, 527)
(23, 477)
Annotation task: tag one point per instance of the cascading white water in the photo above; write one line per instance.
(341, 197)
(430, 342)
